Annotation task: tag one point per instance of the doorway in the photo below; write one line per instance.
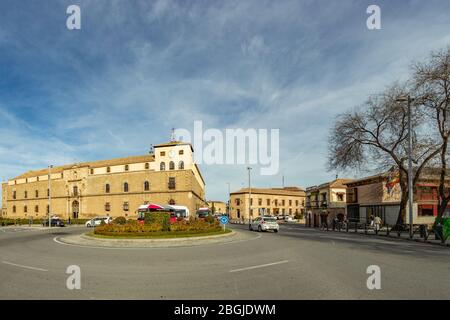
(75, 209)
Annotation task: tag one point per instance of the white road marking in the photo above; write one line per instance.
(260, 266)
(22, 266)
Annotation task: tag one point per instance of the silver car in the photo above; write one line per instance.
(264, 224)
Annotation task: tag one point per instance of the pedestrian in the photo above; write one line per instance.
(371, 220)
(377, 223)
(69, 221)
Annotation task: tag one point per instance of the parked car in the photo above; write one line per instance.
(54, 222)
(264, 223)
(98, 221)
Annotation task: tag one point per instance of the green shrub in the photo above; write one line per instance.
(120, 220)
(160, 217)
(210, 219)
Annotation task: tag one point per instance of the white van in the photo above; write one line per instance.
(181, 211)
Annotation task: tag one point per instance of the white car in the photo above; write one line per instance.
(264, 224)
(98, 221)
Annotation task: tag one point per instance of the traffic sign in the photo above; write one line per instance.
(223, 219)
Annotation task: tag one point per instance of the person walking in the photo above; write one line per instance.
(377, 224)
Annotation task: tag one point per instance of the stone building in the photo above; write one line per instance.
(114, 187)
(326, 200)
(288, 201)
(217, 206)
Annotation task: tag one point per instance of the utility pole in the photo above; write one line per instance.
(408, 99)
(410, 170)
(249, 196)
(49, 196)
(229, 200)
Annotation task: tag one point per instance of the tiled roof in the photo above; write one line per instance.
(287, 191)
(90, 164)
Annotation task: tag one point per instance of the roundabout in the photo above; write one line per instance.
(89, 240)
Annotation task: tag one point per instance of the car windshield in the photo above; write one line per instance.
(270, 219)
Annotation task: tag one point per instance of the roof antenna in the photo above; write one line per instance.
(151, 149)
(172, 136)
(337, 175)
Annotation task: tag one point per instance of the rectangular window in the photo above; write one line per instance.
(238, 202)
(290, 203)
(268, 202)
(296, 203)
(126, 206)
(180, 152)
(259, 202)
(162, 154)
(172, 183)
(283, 203)
(107, 206)
(14, 195)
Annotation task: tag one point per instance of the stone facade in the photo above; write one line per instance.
(327, 200)
(113, 187)
(217, 206)
(288, 201)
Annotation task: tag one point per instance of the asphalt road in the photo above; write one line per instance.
(296, 263)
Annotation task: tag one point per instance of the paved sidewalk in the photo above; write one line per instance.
(383, 233)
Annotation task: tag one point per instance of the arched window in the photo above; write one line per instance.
(125, 187)
(25, 194)
(107, 188)
(172, 202)
(25, 209)
(181, 165)
(36, 193)
(36, 209)
(146, 186)
(108, 169)
(147, 166)
(127, 167)
(171, 165)
(14, 209)
(162, 166)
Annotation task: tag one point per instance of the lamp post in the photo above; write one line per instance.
(249, 196)
(408, 99)
(50, 196)
(229, 200)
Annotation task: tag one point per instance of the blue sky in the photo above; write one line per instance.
(138, 68)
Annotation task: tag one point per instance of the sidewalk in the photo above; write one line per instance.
(384, 232)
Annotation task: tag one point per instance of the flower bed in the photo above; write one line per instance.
(159, 229)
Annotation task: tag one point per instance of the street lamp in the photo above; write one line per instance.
(229, 200)
(49, 196)
(249, 196)
(408, 99)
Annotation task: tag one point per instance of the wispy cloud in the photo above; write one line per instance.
(137, 69)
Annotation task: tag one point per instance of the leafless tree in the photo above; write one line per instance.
(432, 86)
(377, 133)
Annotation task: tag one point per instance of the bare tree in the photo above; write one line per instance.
(378, 131)
(432, 84)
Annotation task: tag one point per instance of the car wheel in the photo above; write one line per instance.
(250, 228)
(275, 230)
(259, 229)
